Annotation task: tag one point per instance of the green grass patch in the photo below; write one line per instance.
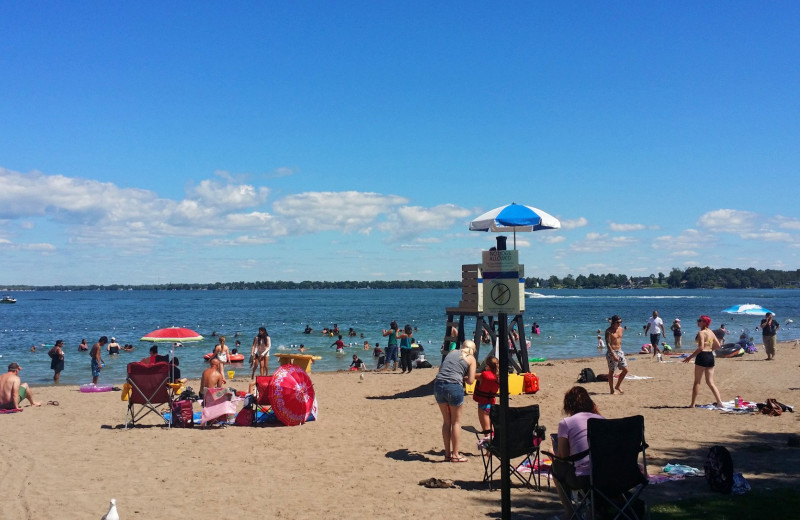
(777, 504)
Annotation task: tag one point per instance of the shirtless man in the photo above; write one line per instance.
(12, 390)
(212, 377)
(614, 354)
(97, 359)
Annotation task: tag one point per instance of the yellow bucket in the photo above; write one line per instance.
(231, 373)
(126, 392)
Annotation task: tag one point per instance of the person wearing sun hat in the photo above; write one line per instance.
(676, 332)
(13, 390)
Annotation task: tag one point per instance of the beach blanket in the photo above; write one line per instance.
(11, 410)
(730, 406)
(634, 378)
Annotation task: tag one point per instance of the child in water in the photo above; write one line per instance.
(486, 387)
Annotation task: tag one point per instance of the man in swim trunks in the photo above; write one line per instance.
(97, 359)
(614, 354)
(13, 390)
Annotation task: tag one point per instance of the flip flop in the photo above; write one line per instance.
(53, 403)
(459, 459)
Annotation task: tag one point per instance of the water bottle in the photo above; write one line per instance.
(738, 402)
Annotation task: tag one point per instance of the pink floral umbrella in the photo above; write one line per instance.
(291, 394)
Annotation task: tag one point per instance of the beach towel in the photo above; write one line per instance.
(217, 405)
(11, 410)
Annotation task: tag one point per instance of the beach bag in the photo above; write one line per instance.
(719, 469)
(587, 376)
(772, 408)
(52, 353)
(244, 417)
(530, 383)
(182, 414)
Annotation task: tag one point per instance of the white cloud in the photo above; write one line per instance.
(346, 211)
(597, 243)
(550, 239)
(283, 171)
(574, 223)
(410, 221)
(684, 252)
(229, 196)
(625, 227)
(788, 223)
(687, 240)
(728, 221)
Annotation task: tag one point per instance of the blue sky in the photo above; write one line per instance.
(197, 142)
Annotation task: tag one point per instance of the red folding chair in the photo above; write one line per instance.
(149, 391)
(261, 397)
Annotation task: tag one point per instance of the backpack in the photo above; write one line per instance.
(587, 376)
(52, 353)
(719, 469)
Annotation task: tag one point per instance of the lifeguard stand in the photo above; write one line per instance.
(472, 304)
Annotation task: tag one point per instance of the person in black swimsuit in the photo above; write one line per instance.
(707, 342)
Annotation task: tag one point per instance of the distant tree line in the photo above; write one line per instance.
(691, 278)
(246, 286)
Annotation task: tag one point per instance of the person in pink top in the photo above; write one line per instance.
(579, 407)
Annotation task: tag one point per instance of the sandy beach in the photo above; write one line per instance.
(375, 440)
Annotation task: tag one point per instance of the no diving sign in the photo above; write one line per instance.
(501, 282)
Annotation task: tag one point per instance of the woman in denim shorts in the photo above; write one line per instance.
(448, 388)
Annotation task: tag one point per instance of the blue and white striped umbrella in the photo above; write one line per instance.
(514, 217)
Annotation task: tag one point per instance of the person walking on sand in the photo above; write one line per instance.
(97, 358)
(707, 342)
(615, 357)
(457, 368)
(57, 359)
(13, 390)
(655, 326)
(769, 329)
(260, 352)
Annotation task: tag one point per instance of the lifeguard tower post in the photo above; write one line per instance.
(490, 289)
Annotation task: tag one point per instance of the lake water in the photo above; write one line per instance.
(568, 319)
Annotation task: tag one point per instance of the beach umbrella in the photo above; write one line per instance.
(514, 217)
(291, 394)
(172, 334)
(748, 308)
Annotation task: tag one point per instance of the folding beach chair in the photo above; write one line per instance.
(617, 477)
(576, 492)
(523, 440)
(261, 402)
(148, 391)
(217, 406)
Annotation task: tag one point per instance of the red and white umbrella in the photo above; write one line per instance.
(291, 394)
(172, 334)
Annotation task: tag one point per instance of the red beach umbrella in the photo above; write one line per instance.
(291, 394)
(172, 334)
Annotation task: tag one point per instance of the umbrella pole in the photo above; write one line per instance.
(505, 470)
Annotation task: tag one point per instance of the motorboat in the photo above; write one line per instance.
(8, 299)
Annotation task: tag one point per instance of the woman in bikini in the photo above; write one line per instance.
(260, 352)
(707, 343)
(222, 353)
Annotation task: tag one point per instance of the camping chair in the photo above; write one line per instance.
(576, 494)
(261, 402)
(617, 479)
(148, 390)
(524, 437)
(217, 406)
